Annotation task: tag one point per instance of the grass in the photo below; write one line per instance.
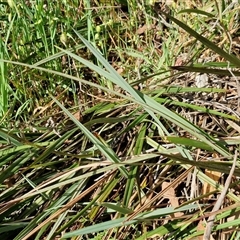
(104, 131)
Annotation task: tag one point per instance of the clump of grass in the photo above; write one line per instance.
(100, 139)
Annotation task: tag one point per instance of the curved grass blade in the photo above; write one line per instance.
(231, 58)
(197, 11)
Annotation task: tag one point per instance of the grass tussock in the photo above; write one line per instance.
(119, 120)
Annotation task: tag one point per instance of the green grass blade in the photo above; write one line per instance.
(122, 221)
(231, 58)
(198, 12)
(221, 72)
(106, 150)
(117, 208)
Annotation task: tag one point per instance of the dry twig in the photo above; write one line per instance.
(218, 204)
